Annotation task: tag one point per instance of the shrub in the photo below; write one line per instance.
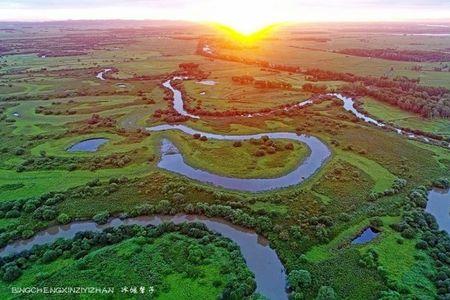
(19, 151)
(389, 295)
(408, 233)
(63, 219)
(49, 256)
(421, 245)
(13, 214)
(72, 167)
(101, 218)
(12, 273)
(259, 153)
(376, 222)
(237, 144)
(299, 279)
(326, 293)
(442, 183)
(271, 150)
(289, 146)
(26, 234)
(178, 197)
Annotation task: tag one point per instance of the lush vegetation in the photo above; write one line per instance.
(374, 177)
(165, 262)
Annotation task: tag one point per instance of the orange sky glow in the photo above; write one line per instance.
(245, 16)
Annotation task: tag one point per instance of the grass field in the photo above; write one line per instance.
(164, 267)
(405, 119)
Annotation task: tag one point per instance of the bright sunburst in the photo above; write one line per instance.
(246, 17)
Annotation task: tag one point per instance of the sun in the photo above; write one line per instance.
(246, 17)
(246, 27)
(244, 35)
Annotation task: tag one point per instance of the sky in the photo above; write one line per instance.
(229, 12)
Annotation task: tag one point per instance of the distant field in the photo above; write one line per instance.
(403, 118)
(309, 54)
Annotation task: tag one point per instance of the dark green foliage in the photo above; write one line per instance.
(63, 219)
(326, 293)
(45, 213)
(299, 279)
(50, 255)
(101, 218)
(11, 273)
(442, 183)
(154, 251)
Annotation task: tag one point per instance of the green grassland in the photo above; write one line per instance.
(406, 119)
(166, 264)
(215, 156)
(310, 54)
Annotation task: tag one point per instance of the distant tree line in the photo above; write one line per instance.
(399, 55)
(403, 92)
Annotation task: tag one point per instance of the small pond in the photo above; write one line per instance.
(366, 236)
(90, 145)
(207, 82)
(439, 206)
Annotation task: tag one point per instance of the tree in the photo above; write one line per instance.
(63, 218)
(49, 256)
(12, 273)
(101, 218)
(326, 293)
(299, 279)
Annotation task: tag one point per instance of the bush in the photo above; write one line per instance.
(421, 245)
(259, 153)
(12, 273)
(271, 150)
(63, 219)
(442, 183)
(376, 222)
(237, 144)
(289, 146)
(26, 234)
(299, 279)
(101, 218)
(408, 233)
(178, 198)
(12, 214)
(389, 295)
(326, 293)
(49, 256)
(19, 151)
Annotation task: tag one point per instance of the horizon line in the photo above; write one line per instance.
(203, 22)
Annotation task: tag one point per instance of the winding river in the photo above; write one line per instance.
(172, 160)
(262, 260)
(178, 103)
